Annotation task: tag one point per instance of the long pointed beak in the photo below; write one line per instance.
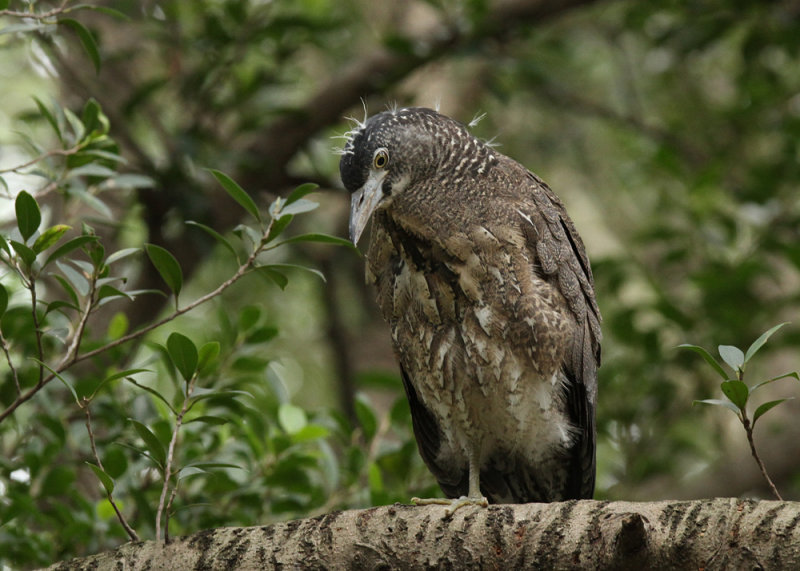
(363, 204)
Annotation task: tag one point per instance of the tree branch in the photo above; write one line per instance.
(721, 533)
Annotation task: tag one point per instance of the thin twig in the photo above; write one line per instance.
(128, 529)
(37, 332)
(34, 16)
(4, 345)
(78, 334)
(43, 156)
(748, 428)
(170, 458)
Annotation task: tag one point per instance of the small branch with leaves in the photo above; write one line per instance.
(737, 393)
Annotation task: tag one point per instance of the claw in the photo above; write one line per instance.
(452, 504)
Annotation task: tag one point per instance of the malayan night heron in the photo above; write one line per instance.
(487, 289)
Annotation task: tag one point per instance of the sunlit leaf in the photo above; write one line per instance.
(292, 418)
(718, 402)
(121, 254)
(300, 206)
(732, 356)
(76, 278)
(49, 238)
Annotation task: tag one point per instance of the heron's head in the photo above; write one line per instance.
(396, 150)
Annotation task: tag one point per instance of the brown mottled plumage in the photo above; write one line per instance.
(487, 288)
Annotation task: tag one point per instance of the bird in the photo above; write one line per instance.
(487, 289)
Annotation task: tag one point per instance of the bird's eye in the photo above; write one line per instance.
(381, 158)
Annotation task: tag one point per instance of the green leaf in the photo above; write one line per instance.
(183, 353)
(767, 406)
(121, 254)
(167, 266)
(151, 442)
(217, 236)
(298, 207)
(283, 267)
(60, 378)
(736, 391)
(718, 402)
(210, 420)
(278, 226)
(758, 343)
(317, 237)
(292, 418)
(300, 192)
(76, 278)
(793, 375)
(153, 392)
(733, 356)
(28, 215)
(311, 432)
(49, 237)
(237, 193)
(206, 356)
(50, 118)
(4, 245)
(27, 255)
(3, 299)
(107, 292)
(69, 246)
(104, 478)
(86, 38)
(366, 417)
(273, 275)
(707, 356)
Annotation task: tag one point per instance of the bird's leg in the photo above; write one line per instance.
(473, 497)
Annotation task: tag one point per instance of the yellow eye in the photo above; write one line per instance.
(381, 159)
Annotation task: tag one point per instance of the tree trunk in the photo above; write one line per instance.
(723, 533)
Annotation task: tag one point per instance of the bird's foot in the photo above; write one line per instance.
(452, 504)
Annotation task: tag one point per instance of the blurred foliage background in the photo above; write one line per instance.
(671, 129)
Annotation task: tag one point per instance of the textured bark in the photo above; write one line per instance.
(722, 533)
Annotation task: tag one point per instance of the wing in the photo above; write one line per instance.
(453, 481)
(561, 259)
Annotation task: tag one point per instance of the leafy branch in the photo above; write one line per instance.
(23, 258)
(737, 393)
